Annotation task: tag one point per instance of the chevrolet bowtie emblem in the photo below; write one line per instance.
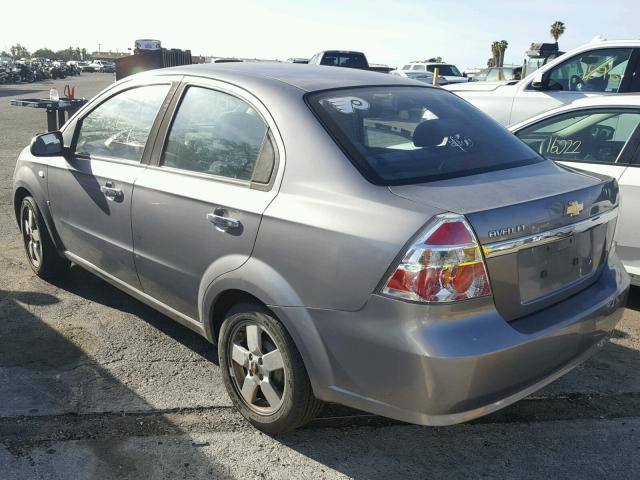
(574, 208)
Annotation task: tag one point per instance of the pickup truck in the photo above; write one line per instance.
(598, 68)
(347, 59)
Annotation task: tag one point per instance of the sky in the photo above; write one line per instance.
(392, 32)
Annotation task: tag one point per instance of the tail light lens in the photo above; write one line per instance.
(445, 265)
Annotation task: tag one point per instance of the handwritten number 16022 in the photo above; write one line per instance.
(563, 146)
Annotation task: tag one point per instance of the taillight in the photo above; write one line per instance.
(445, 265)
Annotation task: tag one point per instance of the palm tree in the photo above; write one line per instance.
(557, 29)
(502, 44)
(495, 52)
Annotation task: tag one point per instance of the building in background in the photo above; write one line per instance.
(109, 56)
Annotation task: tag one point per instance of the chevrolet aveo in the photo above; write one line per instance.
(344, 236)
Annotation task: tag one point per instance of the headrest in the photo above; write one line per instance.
(241, 126)
(431, 133)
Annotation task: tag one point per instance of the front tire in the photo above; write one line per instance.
(263, 371)
(42, 256)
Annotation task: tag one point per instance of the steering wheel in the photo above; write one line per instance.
(576, 83)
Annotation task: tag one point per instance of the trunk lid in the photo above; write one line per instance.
(521, 205)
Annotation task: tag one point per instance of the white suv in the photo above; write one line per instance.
(448, 73)
(598, 68)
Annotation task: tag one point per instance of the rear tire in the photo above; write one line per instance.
(263, 371)
(42, 256)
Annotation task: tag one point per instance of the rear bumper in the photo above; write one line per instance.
(448, 364)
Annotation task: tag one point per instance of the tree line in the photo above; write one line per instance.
(18, 51)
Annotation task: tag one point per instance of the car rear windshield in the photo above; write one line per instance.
(450, 70)
(400, 135)
(344, 59)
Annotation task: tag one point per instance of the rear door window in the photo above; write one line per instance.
(217, 134)
(401, 135)
(587, 136)
(634, 76)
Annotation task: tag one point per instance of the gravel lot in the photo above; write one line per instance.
(94, 384)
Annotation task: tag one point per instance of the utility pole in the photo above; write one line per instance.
(99, 45)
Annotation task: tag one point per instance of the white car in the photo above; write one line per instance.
(447, 72)
(601, 135)
(102, 66)
(425, 77)
(596, 69)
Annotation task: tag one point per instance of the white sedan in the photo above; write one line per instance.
(601, 135)
(424, 77)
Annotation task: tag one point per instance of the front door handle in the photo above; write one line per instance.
(221, 219)
(110, 191)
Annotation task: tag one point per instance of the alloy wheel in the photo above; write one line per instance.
(257, 368)
(31, 236)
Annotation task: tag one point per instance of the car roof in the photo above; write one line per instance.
(632, 42)
(341, 51)
(307, 78)
(429, 63)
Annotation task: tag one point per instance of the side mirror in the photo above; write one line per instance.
(48, 144)
(537, 83)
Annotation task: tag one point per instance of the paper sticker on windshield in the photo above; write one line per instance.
(348, 104)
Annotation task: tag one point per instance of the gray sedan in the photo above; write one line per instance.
(343, 236)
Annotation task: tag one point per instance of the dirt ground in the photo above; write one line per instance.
(94, 384)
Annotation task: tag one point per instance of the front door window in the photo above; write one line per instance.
(119, 127)
(593, 71)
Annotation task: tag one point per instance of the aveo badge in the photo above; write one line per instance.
(501, 232)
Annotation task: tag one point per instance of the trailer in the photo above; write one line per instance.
(144, 60)
(539, 54)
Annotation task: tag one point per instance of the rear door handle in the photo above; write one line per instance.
(110, 191)
(221, 219)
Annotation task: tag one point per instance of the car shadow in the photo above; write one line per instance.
(90, 287)
(43, 381)
(81, 170)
